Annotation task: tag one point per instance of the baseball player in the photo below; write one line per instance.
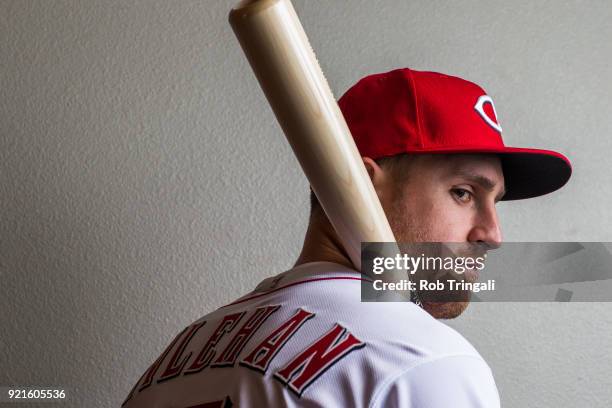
(433, 149)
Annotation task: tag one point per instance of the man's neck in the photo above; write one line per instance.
(322, 244)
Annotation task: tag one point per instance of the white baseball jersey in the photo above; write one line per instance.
(304, 339)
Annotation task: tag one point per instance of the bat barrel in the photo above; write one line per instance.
(285, 65)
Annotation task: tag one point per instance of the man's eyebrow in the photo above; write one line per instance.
(483, 182)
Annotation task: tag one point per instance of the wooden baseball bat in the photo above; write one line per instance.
(285, 65)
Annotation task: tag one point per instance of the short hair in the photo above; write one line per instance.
(397, 165)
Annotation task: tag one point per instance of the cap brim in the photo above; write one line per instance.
(532, 172)
(527, 172)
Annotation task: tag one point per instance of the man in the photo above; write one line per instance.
(432, 146)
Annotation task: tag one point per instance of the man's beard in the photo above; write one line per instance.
(444, 304)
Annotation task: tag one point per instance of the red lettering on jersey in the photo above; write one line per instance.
(208, 351)
(300, 372)
(148, 375)
(235, 346)
(260, 357)
(175, 366)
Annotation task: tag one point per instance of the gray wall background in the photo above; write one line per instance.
(144, 180)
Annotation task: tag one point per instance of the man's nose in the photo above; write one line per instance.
(486, 229)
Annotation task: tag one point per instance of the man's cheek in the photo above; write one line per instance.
(444, 226)
(451, 222)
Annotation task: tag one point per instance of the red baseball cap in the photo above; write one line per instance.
(416, 112)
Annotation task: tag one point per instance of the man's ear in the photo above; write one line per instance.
(377, 174)
(380, 180)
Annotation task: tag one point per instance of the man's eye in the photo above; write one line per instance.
(462, 194)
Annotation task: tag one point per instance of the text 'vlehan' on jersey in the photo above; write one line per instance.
(304, 339)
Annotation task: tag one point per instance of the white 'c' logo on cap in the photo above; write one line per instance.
(480, 109)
